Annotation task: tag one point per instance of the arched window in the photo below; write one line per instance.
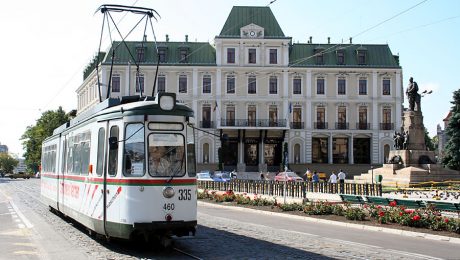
(205, 153)
(386, 152)
(297, 153)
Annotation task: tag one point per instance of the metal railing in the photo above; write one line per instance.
(363, 126)
(386, 126)
(254, 123)
(297, 125)
(341, 125)
(207, 124)
(320, 125)
(293, 189)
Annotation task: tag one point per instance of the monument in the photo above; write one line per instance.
(410, 162)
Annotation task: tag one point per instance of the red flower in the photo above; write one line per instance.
(409, 211)
(379, 207)
(381, 214)
(446, 220)
(393, 203)
(416, 218)
(401, 213)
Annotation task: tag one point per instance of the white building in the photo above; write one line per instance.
(331, 103)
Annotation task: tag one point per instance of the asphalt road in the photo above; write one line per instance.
(28, 230)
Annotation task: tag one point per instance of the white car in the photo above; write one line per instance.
(204, 176)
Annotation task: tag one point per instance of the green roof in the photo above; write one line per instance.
(241, 16)
(199, 53)
(377, 55)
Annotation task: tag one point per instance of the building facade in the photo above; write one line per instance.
(331, 103)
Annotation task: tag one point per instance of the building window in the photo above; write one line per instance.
(116, 83)
(273, 85)
(297, 86)
(341, 86)
(162, 54)
(342, 117)
(252, 85)
(297, 118)
(273, 115)
(340, 58)
(183, 54)
(320, 118)
(273, 56)
(231, 55)
(319, 149)
(363, 86)
(230, 116)
(140, 54)
(386, 87)
(386, 119)
(182, 84)
(362, 118)
(320, 86)
(230, 84)
(361, 57)
(252, 113)
(206, 84)
(252, 56)
(340, 150)
(205, 153)
(319, 56)
(139, 83)
(206, 117)
(161, 85)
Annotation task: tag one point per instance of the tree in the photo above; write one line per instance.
(452, 151)
(7, 163)
(428, 142)
(35, 135)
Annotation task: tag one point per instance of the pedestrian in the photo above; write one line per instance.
(341, 176)
(333, 178)
(307, 175)
(262, 177)
(315, 177)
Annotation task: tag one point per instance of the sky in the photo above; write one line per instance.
(46, 45)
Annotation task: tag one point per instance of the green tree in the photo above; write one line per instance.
(35, 135)
(452, 151)
(428, 142)
(7, 163)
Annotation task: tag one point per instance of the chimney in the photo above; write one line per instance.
(186, 38)
(167, 38)
(328, 40)
(351, 40)
(310, 39)
(145, 37)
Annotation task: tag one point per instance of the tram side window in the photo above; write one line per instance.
(85, 158)
(63, 156)
(113, 153)
(77, 159)
(191, 160)
(134, 154)
(166, 155)
(100, 151)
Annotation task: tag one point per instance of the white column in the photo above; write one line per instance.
(127, 80)
(330, 148)
(286, 98)
(398, 101)
(351, 160)
(375, 108)
(308, 108)
(218, 97)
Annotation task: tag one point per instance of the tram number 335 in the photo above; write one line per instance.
(185, 194)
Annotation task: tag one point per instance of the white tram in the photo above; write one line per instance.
(126, 169)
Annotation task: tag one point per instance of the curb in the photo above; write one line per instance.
(344, 224)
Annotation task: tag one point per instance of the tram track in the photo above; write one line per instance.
(187, 254)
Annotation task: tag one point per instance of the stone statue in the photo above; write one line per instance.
(406, 140)
(398, 139)
(413, 95)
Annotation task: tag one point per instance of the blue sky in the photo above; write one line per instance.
(46, 44)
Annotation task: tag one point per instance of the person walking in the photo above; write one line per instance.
(307, 175)
(333, 182)
(341, 177)
(315, 177)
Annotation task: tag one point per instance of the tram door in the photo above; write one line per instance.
(110, 210)
(60, 171)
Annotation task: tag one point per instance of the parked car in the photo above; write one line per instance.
(221, 176)
(204, 176)
(287, 176)
(19, 175)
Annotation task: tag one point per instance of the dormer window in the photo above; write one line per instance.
(319, 54)
(162, 51)
(183, 55)
(340, 57)
(140, 54)
(362, 56)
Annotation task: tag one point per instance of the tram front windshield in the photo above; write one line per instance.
(166, 155)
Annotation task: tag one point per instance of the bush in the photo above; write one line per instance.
(355, 214)
(318, 208)
(291, 207)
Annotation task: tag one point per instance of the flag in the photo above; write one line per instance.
(290, 107)
(215, 106)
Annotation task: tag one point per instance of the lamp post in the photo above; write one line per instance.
(372, 173)
(284, 186)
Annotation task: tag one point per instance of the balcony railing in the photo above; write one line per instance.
(207, 124)
(320, 125)
(297, 125)
(363, 126)
(341, 125)
(253, 123)
(386, 126)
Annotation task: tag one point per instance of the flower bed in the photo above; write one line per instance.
(426, 220)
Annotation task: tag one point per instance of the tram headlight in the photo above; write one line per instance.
(168, 192)
(167, 101)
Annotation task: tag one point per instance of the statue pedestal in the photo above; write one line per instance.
(413, 123)
(412, 157)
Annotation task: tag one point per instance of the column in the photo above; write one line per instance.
(398, 101)
(127, 79)
(375, 117)
(330, 149)
(218, 97)
(308, 109)
(351, 159)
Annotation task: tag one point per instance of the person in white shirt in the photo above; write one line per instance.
(341, 176)
(333, 178)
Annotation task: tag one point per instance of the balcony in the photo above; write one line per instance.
(297, 125)
(341, 125)
(320, 125)
(386, 126)
(206, 124)
(363, 126)
(253, 123)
